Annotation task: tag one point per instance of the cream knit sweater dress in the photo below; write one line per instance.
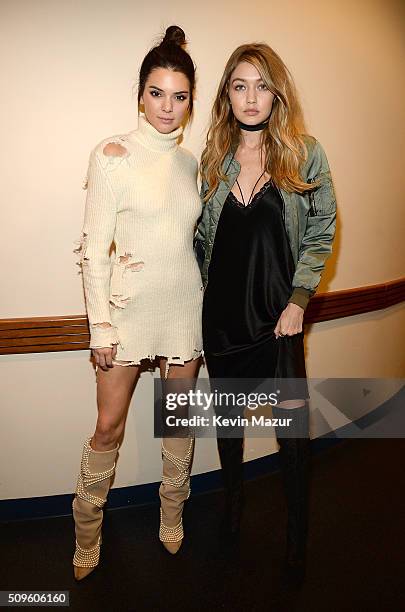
(146, 203)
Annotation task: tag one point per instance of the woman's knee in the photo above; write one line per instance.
(107, 431)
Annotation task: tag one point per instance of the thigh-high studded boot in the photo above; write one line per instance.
(93, 484)
(231, 456)
(295, 465)
(177, 454)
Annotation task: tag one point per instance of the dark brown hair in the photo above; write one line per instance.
(169, 54)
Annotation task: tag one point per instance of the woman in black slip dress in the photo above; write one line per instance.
(253, 309)
(251, 272)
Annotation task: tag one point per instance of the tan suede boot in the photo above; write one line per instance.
(93, 484)
(177, 454)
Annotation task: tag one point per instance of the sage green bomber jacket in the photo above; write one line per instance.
(309, 218)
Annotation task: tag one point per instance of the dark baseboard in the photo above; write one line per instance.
(61, 505)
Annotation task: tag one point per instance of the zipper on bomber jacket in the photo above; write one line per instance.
(282, 199)
(312, 210)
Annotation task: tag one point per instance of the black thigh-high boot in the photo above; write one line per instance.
(294, 454)
(231, 456)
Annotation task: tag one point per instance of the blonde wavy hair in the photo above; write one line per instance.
(282, 139)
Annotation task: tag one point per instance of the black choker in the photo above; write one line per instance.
(252, 128)
(258, 126)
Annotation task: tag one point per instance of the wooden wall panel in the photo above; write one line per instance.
(71, 333)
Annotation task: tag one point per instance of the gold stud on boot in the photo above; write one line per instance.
(171, 537)
(93, 484)
(174, 490)
(85, 561)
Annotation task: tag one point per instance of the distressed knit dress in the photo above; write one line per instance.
(139, 269)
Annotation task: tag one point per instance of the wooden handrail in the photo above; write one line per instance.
(71, 332)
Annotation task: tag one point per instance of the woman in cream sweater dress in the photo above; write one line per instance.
(145, 302)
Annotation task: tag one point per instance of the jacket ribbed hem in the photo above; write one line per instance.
(301, 297)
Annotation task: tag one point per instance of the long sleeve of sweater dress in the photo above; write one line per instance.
(149, 291)
(98, 234)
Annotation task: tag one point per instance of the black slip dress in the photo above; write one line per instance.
(250, 282)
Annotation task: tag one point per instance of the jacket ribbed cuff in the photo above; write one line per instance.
(301, 297)
(103, 337)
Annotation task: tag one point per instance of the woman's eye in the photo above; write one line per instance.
(155, 93)
(239, 87)
(262, 86)
(181, 98)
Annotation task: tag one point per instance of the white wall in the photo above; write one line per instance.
(67, 73)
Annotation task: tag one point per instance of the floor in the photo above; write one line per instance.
(355, 553)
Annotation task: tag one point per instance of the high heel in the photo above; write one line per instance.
(93, 484)
(177, 455)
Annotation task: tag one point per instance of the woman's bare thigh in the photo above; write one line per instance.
(114, 391)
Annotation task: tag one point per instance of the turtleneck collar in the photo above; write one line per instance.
(152, 139)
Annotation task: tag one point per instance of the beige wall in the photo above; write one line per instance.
(67, 75)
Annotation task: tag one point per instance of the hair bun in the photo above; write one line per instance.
(174, 36)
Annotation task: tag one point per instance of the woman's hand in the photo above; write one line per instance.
(290, 321)
(104, 356)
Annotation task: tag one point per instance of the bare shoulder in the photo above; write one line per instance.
(114, 149)
(114, 146)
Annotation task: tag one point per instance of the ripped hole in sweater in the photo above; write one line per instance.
(120, 291)
(116, 301)
(134, 266)
(81, 250)
(113, 149)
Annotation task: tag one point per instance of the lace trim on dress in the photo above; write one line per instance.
(256, 197)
